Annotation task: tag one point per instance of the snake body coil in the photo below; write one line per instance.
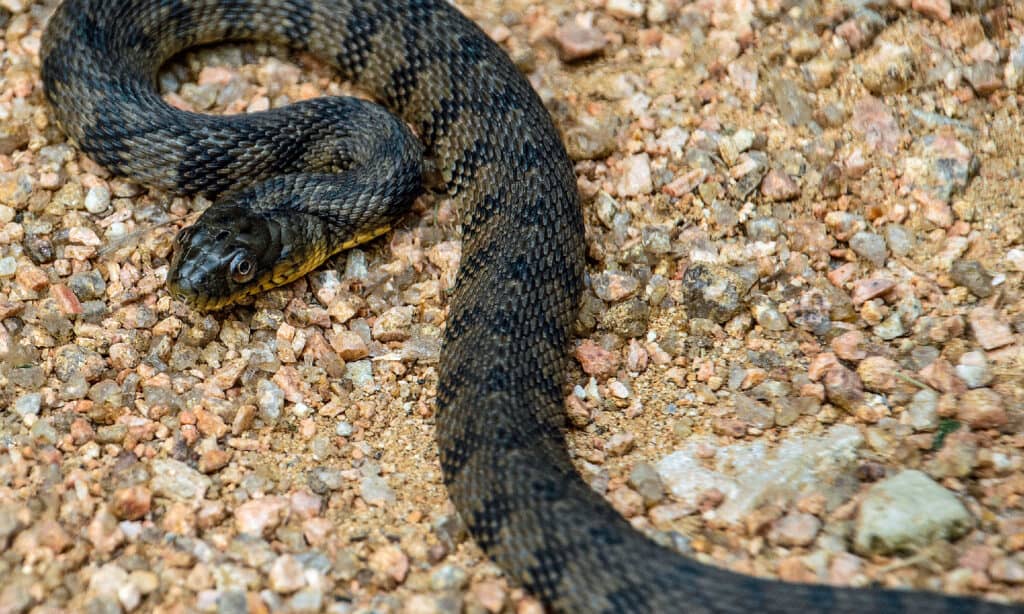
(331, 172)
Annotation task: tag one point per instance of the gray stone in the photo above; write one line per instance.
(923, 410)
(360, 372)
(97, 199)
(907, 512)
(791, 101)
(28, 404)
(870, 246)
(941, 165)
(971, 275)
(795, 529)
(232, 601)
(899, 239)
(375, 491)
(307, 600)
(176, 480)
(448, 577)
(752, 412)
(355, 265)
(270, 400)
(763, 228)
(322, 480)
(644, 479)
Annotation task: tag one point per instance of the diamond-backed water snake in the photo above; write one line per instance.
(330, 172)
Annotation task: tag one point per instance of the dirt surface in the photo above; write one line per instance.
(803, 228)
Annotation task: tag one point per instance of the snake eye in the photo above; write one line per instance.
(242, 268)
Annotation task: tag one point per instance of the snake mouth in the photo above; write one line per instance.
(182, 291)
(197, 301)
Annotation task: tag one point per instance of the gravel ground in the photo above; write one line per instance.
(800, 354)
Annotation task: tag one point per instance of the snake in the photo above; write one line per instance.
(294, 185)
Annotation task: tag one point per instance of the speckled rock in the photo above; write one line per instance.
(843, 387)
(614, 285)
(270, 400)
(875, 121)
(941, 165)
(713, 292)
(393, 324)
(753, 412)
(131, 503)
(390, 562)
(628, 318)
(889, 70)
(1007, 569)
(936, 9)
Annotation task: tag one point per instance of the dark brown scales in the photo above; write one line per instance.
(500, 414)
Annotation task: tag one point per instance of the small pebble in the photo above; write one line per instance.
(375, 491)
(988, 329)
(620, 443)
(270, 400)
(923, 410)
(871, 247)
(971, 275)
(360, 372)
(390, 561)
(889, 70)
(8, 266)
(176, 480)
(28, 404)
(576, 42)
(97, 199)
(713, 292)
(974, 369)
(1007, 569)
(778, 186)
(982, 408)
(795, 530)
(635, 176)
(627, 9)
(286, 575)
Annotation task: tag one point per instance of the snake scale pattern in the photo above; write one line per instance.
(332, 172)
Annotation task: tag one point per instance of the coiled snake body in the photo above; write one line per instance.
(298, 184)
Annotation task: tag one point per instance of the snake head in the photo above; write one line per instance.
(230, 253)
